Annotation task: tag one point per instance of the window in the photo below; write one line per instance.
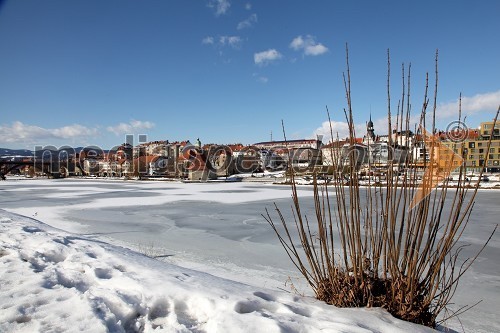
(472, 144)
(489, 163)
(473, 163)
(490, 156)
(471, 157)
(481, 151)
(479, 144)
(481, 156)
(473, 150)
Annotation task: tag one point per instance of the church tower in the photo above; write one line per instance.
(369, 130)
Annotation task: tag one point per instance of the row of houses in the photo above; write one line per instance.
(198, 162)
(185, 160)
(172, 159)
(470, 146)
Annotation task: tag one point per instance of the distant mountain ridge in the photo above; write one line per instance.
(26, 152)
(15, 152)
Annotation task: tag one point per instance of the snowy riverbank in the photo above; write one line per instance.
(219, 268)
(59, 282)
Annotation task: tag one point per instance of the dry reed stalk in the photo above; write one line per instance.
(366, 247)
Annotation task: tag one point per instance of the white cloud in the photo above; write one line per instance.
(248, 6)
(220, 6)
(297, 43)
(209, 40)
(131, 127)
(315, 49)
(341, 128)
(308, 45)
(233, 41)
(265, 57)
(248, 23)
(470, 105)
(24, 133)
(74, 131)
(486, 102)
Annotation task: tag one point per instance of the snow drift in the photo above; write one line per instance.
(60, 282)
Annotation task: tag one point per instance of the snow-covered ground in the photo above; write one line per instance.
(218, 266)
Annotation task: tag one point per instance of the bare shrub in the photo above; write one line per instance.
(371, 245)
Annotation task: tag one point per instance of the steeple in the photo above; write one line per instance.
(369, 129)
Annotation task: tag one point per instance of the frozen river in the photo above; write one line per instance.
(218, 228)
(214, 227)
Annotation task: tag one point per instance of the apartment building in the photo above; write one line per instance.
(477, 153)
(472, 146)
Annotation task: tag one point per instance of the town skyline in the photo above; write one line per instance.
(89, 72)
(138, 139)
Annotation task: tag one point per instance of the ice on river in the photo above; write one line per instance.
(66, 262)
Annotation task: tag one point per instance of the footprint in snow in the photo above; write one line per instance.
(255, 305)
(183, 277)
(184, 318)
(91, 255)
(31, 230)
(3, 252)
(266, 304)
(103, 273)
(264, 296)
(158, 313)
(120, 268)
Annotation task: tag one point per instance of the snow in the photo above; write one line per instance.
(218, 266)
(59, 282)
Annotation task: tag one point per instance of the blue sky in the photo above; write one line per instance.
(88, 72)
